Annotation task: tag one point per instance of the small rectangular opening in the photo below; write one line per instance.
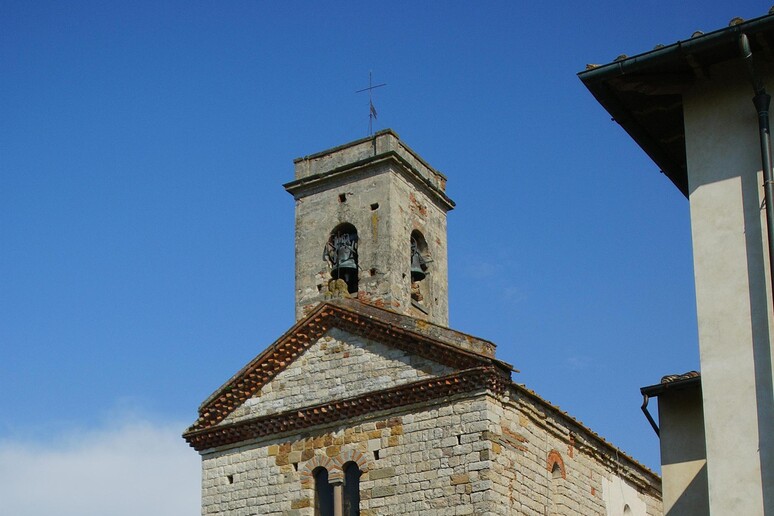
(375, 206)
(230, 479)
(343, 197)
(376, 454)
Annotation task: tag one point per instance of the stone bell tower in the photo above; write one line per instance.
(371, 224)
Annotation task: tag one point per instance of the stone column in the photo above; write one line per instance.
(338, 498)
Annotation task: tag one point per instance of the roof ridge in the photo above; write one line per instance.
(294, 342)
(482, 377)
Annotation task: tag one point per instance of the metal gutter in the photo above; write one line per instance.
(680, 49)
(653, 391)
(610, 83)
(660, 388)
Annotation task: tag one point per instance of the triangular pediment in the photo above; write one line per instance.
(339, 365)
(407, 352)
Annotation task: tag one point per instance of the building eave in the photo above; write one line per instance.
(442, 345)
(301, 187)
(653, 391)
(486, 378)
(613, 450)
(643, 93)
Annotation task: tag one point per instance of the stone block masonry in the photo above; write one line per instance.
(384, 193)
(340, 365)
(476, 454)
(371, 376)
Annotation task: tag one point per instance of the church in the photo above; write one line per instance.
(370, 404)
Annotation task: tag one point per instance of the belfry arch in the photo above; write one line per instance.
(342, 257)
(357, 206)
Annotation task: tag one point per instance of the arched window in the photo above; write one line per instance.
(627, 509)
(323, 493)
(556, 472)
(420, 261)
(351, 503)
(555, 464)
(556, 488)
(341, 254)
(419, 256)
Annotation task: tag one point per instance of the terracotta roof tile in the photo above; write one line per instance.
(352, 316)
(676, 377)
(489, 378)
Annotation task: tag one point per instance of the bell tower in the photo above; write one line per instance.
(371, 224)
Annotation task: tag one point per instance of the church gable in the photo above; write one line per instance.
(394, 332)
(337, 366)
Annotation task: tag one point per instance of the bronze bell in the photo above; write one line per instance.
(418, 264)
(417, 274)
(344, 270)
(341, 251)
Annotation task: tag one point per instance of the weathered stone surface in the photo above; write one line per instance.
(492, 449)
(386, 191)
(460, 457)
(339, 366)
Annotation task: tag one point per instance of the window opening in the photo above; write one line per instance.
(419, 264)
(556, 476)
(341, 254)
(323, 493)
(351, 505)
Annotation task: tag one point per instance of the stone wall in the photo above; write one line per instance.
(383, 142)
(340, 365)
(471, 455)
(433, 461)
(385, 199)
(546, 463)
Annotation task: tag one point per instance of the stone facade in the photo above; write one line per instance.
(475, 455)
(317, 375)
(369, 380)
(387, 192)
(347, 384)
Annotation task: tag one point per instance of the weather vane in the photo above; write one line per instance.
(371, 108)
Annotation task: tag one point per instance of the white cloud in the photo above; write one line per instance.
(132, 468)
(577, 363)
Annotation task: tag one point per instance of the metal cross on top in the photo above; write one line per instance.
(371, 108)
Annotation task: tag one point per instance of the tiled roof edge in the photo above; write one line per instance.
(601, 440)
(489, 378)
(304, 333)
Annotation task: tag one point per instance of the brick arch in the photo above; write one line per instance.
(555, 458)
(320, 461)
(351, 455)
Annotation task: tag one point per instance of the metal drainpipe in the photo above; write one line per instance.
(761, 100)
(645, 411)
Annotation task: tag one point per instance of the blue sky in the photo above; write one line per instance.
(146, 243)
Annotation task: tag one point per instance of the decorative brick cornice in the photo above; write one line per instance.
(307, 331)
(481, 378)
